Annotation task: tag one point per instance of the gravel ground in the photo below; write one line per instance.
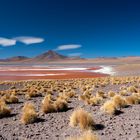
(55, 126)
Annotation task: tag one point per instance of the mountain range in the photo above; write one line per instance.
(54, 57)
(44, 57)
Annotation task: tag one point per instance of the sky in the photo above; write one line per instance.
(86, 28)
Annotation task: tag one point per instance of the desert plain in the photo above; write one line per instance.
(90, 101)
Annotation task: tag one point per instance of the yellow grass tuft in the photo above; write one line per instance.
(47, 106)
(119, 101)
(111, 94)
(32, 92)
(4, 110)
(87, 92)
(132, 99)
(101, 94)
(10, 98)
(123, 92)
(82, 119)
(132, 89)
(70, 94)
(109, 107)
(47, 98)
(83, 97)
(60, 105)
(13, 99)
(29, 114)
(94, 100)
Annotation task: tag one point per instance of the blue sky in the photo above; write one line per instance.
(90, 28)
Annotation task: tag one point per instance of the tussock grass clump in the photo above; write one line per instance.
(87, 93)
(123, 88)
(132, 99)
(4, 110)
(119, 101)
(123, 92)
(32, 92)
(49, 92)
(109, 107)
(13, 99)
(60, 105)
(88, 135)
(101, 94)
(47, 98)
(10, 98)
(29, 114)
(90, 100)
(82, 119)
(111, 94)
(95, 100)
(48, 105)
(132, 89)
(83, 97)
(70, 94)
(65, 98)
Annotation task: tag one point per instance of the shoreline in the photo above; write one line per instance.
(32, 73)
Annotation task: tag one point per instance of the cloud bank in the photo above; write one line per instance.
(29, 40)
(68, 47)
(5, 42)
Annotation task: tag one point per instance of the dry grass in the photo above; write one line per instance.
(101, 94)
(10, 98)
(109, 107)
(132, 89)
(29, 114)
(84, 97)
(82, 119)
(123, 92)
(71, 94)
(119, 101)
(95, 100)
(111, 94)
(133, 99)
(32, 92)
(4, 110)
(60, 105)
(58, 94)
(48, 105)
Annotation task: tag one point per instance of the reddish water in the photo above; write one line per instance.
(29, 73)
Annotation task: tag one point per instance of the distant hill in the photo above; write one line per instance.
(15, 59)
(44, 57)
(54, 57)
(49, 56)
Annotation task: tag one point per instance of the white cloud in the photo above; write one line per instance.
(7, 42)
(29, 40)
(75, 54)
(67, 47)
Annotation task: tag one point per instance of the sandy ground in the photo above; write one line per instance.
(128, 69)
(55, 126)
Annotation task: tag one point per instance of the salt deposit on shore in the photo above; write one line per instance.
(105, 70)
(25, 73)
